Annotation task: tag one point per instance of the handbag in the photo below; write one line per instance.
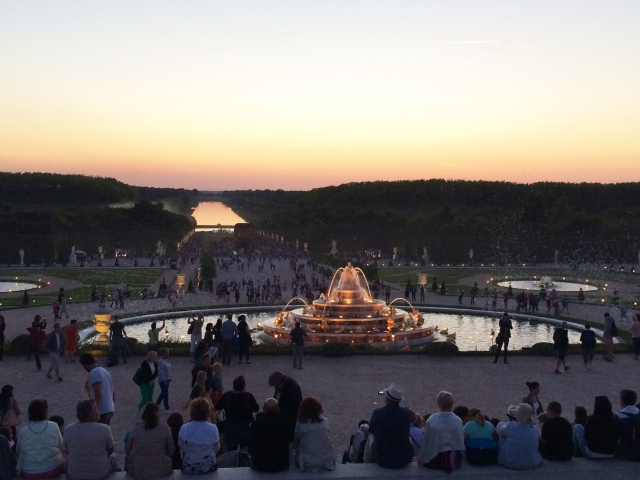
(10, 419)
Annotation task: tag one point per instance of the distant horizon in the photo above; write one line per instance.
(214, 191)
(293, 95)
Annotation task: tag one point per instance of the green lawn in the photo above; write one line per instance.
(103, 278)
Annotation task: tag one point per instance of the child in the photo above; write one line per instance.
(216, 384)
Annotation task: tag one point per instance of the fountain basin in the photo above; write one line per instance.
(16, 286)
(558, 286)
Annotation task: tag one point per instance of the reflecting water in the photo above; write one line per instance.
(6, 287)
(215, 213)
(559, 286)
(472, 331)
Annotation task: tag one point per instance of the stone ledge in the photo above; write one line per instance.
(577, 469)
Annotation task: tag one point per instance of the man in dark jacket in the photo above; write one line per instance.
(289, 397)
(56, 345)
(390, 426)
(269, 440)
(149, 369)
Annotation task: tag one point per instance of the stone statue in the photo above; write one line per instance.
(306, 245)
(21, 253)
(471, 255)
(557, 254)
(160, 249)
(395, 252)
(72, 257)
(425, 255)
(100, 252)
(334, 250)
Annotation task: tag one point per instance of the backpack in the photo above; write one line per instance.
(630, 437)
(190, 329)
(614, 328)
(590, 339)
(111, 361)
(137, 377)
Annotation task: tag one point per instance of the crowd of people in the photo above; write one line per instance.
(231, 429)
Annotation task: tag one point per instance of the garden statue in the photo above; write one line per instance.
(334, 250)
(72, 257)
(425, 255)
(21, 253)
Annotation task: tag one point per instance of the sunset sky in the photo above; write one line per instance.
(299, 94)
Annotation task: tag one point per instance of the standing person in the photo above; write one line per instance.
(2, 328)
(390, 426)
(504, 334)
(9, 410)
(149, 372)
(36, 331)
(164, 378)
(229, 334)
(634, 329)
(588, 340)
(195, 330)
(561, 345)
(71, 341)
(63, 308)
(100, 387)
(89, 445)
(289, 396)
(55, 345)
(217, 334)
(154, 334)
(117, 335)
(297, 341)
(56, 311)
(532, 398)
(610, 330)
(238, 406)
(244, 338)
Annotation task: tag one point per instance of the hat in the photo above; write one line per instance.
(393, 393)
(511, 411)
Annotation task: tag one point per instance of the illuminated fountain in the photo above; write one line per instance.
(349, 314)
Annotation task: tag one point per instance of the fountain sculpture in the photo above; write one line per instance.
(349, 314)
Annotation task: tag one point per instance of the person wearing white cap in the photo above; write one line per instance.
(390, 425)
(519, 441)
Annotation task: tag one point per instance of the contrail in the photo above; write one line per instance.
(464, 42)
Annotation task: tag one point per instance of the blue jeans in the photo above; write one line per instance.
(36, 354)
(164, 394)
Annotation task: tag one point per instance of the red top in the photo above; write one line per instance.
(71, 334)
(37, 336)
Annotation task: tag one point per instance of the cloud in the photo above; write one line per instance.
(465, 42)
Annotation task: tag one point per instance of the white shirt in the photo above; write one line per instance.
(442, 432)
(39, 447)
(101, 376)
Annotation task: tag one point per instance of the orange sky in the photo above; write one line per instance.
(297, 95)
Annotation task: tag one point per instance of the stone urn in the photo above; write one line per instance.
(180, 279)
(102, 322)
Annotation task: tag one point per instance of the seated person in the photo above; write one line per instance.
(355, 454)
(269, 440)
(511, 417)
(519, 441)
(199, 440)
(556, 438)
(390, 426)
(89, 445)
(175, 422)
(462, 413)
(443, 440)
(312, 450)
(40, 444)
(480, 440)
(415, 432)
(629, 421)
(8, 459)
(150, 446)
(599, 437)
